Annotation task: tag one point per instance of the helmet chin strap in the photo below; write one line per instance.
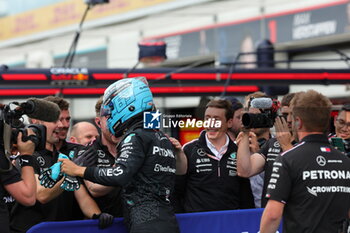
(132, 123)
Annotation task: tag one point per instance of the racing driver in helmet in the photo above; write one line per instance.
(145, 166)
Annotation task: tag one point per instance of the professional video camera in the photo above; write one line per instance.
(11, 123)
(266, 119)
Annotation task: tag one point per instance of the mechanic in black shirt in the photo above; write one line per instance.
(249, 164)
(310, 183)
(211, 182)
(68, 148)
(102, 153)
(145, 166)
(21, 186)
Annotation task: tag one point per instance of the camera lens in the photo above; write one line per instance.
(260, 120)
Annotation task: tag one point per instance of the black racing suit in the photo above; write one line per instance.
(145, 168)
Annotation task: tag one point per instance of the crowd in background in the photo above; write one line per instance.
(225, 168)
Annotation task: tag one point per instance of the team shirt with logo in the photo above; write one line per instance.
(313, 181)
(58, 209)
(99, 156)
(270, 150)
(6, 178)
(211, 183)
(145, 168)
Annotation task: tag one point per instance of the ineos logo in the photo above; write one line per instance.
(321, 160)
(201, 152)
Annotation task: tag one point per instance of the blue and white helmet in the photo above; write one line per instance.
(123, 100)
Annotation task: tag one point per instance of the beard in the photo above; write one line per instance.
(295, 133)
(234, 131)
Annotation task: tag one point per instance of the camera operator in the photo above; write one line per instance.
(257, 138)
(53, 203)
(22, 186)
(310, 183)
(249, 164)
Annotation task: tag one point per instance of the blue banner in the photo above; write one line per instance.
(232, 221)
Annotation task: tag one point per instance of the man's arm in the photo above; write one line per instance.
(278, 191)
(247, 164)
(90, 209)
(44, 195)
(24, 191)
(97, 190)
(87, 205)
(181, 159)
(271, 217)
(127, 164)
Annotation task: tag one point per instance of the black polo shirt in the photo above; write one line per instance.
(58, 209)
(270, 150)
(313, 181)
(6, 178)
(111, 202)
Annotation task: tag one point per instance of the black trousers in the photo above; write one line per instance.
(152, 218)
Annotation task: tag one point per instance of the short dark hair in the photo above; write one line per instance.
(221, 103)
(287, 99)
(236, 104)
(62, 103)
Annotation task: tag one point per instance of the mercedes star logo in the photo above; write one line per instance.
(321, 160)
(41, 161)
(201, 152)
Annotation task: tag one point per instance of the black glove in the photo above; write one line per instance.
(46, 180)
(104, 220)
(50, 176)
(70, 183)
